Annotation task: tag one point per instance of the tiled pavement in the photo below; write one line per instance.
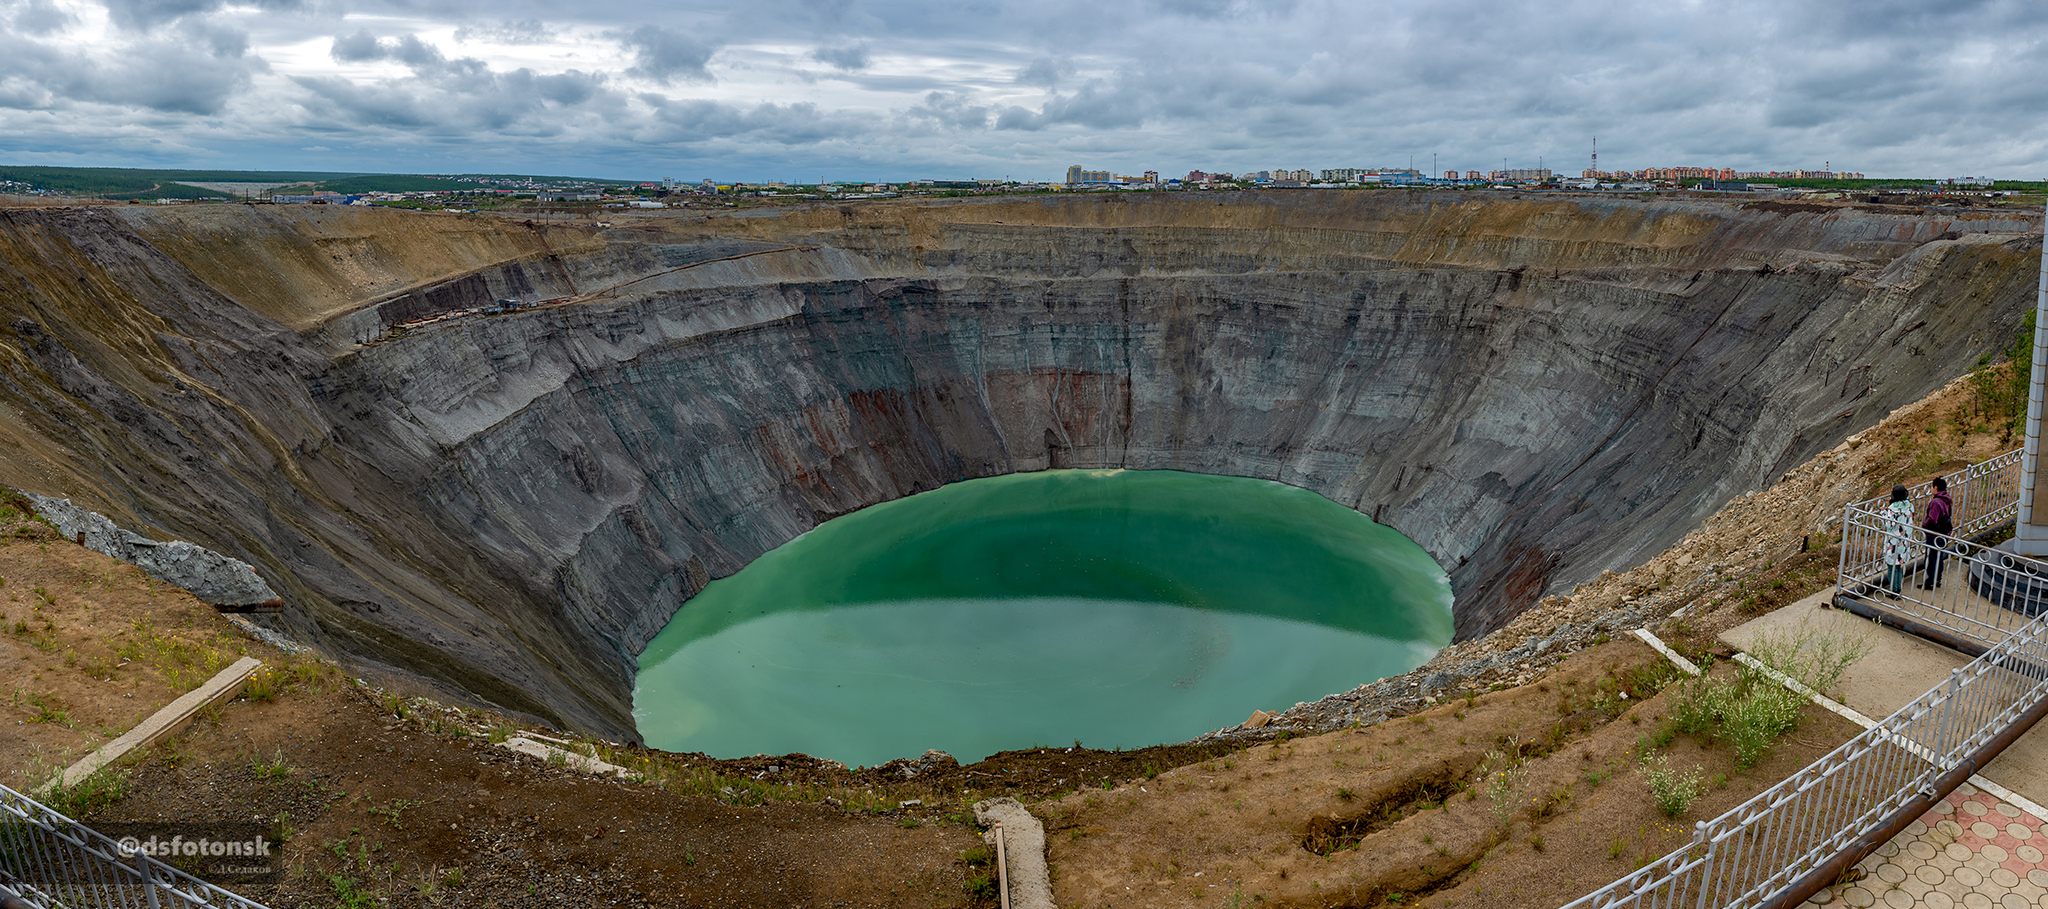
(1972, 850)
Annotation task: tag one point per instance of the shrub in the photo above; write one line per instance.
(1753, 723)
(261, 687)
(1701, 702)
(1815, 658)
(1672, 789)
(1749, 711)
(1504, 778)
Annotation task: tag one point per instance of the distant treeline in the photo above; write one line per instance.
(125, 182)
(395, 183)
(144, 183)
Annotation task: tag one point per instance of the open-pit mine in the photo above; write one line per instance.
(498, 457)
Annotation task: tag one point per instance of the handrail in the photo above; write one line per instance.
(54, 862)
(1774, 848)
(1791, 840)
(1985, 494)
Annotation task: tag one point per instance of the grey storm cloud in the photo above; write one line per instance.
(1091, 107)
(698, 121)
(952, 110)
(914, 88)
(666, 55)
(34, 17)
(847, 57)
(165, 78)
(140, 14)
(1045, 72)
(194, 68)
(462, 94)
(363, 47)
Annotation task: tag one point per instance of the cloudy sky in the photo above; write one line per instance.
(796, 90)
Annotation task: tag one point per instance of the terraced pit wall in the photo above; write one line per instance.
(1534, 389)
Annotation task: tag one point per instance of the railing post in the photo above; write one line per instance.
(148, 878)
(1842, 557)
(1950, 719)
(1699, 835)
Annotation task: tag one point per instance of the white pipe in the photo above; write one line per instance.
(1002, 868)
(2030, 538)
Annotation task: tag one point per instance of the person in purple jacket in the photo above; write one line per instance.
(1940, 522)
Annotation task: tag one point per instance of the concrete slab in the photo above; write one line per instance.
(1900, 667)
(224, 686)
(526, 745)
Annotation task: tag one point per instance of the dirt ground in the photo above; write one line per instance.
(89, 647)
(1526, 797)
(384, 799)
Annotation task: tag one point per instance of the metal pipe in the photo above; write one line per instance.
(2028, 538)
(1848, 602)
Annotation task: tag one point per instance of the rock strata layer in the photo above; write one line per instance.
(510, 505)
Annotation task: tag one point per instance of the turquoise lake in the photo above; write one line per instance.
(1117, 608)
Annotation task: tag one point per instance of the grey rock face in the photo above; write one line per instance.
(210, 576)
(511, 506)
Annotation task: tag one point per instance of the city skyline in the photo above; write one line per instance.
(802, 90)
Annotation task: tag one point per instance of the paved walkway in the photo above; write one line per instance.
(1972, 850)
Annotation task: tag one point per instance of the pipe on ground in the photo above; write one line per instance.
(1933, 634)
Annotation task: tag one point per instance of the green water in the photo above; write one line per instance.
(1118, 608)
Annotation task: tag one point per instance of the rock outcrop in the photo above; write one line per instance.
(214, 578)
(1534, 389)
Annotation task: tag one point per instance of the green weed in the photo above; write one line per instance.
(350, 895)
(273, 769)
(88, 795)
(1504, 777)
(1673, 790)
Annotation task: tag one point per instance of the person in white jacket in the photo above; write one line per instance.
(1898, 541)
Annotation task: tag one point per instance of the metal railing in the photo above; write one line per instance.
(1782, 837)
(54, 862)
(1985, 495)
(1970, 584)
(1795, 837)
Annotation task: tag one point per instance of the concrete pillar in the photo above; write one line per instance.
(2031, 536)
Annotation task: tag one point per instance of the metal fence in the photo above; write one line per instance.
(1956, 604)
(55, 862)
(1985, 494)
(1795, 837)
(1785, 835)
(1970, 599)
